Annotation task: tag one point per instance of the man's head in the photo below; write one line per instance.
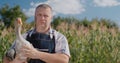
(43, 17)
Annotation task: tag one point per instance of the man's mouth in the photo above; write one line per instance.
(42, 21)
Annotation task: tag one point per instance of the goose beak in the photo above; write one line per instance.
(19, 21)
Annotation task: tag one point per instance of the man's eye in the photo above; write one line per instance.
(39, 14)
(45, 15)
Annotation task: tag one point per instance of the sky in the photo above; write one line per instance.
(108, 9)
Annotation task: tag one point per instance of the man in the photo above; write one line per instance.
(49, 46)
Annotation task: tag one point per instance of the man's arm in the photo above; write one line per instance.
(33, 53)
(5, 60)
(53, 58)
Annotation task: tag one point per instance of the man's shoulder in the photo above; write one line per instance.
(28, 32)
(58, 34)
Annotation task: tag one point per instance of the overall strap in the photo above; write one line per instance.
(42, 42)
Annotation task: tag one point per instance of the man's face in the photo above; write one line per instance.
(43, 17)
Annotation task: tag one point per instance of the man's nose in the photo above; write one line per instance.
(42, 17)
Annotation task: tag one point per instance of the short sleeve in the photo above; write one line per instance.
(62, 45)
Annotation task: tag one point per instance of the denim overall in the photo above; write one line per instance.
(42, 42)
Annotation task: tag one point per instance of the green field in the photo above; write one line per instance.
(96, 41)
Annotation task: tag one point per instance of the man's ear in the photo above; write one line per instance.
(53, 16)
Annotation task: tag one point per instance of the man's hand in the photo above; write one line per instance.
(16, 60)
(29, 52)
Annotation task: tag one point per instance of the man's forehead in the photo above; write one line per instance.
(43, 10)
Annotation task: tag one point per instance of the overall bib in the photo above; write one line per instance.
(42, 42)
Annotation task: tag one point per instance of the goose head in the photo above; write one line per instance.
(18, 22)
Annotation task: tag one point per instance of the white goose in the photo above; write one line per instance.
(15, 51)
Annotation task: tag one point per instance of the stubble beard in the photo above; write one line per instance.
(42, 28)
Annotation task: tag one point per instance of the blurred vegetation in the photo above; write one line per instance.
(95, 41)
(9, 15)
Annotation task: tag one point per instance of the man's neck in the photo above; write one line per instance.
(45, 31)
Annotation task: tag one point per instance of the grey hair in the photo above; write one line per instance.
(44, 6)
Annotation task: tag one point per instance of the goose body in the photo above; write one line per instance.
(15, 51)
